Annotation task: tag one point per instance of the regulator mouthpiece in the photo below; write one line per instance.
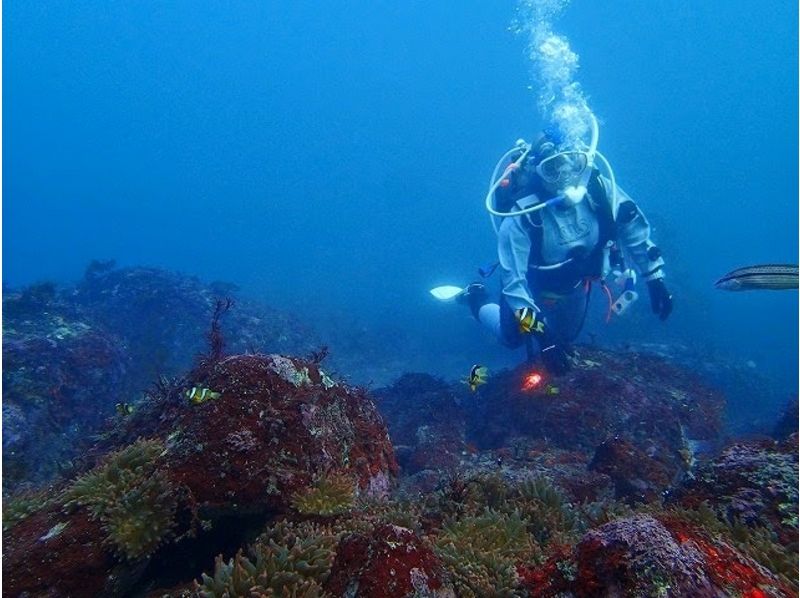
(573, 195)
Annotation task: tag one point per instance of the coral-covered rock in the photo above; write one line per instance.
(269, 434)
(654, 412)
(752, 482)
(96, 534)
(641, 417)
(639, 556)
(54, 554)
(140, 304)
(389, 561)
(727, 566)
(787, 422)
(278, 425)
(636, 396)
(637, 476)
(422, 482)
(552, 578)
(425, 415)
(582, 485)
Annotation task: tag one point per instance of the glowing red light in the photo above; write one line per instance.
(531, 381)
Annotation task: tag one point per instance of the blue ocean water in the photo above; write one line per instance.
(333, 157)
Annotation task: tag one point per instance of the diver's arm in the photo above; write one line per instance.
(633, 233)
(513, 249)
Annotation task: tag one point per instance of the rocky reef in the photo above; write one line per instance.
(70, 354)
(751, 482)
(61, 376)
(628, 425)
(261, 473)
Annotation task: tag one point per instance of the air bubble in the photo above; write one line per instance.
(560, 99)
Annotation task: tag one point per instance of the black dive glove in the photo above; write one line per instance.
(554, 355)
(660, 298)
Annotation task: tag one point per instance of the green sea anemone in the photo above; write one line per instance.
(21, 507)
(331, 495)
(481, 552)
(286, 560)
(133, 499)
(547, 510)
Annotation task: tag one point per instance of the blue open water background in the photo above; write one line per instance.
(332, 157)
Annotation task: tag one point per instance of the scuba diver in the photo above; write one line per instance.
(560, 226)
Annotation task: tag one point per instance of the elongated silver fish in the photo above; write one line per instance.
(771, 277)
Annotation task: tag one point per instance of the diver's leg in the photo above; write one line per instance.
(475, 296)
(489, 317)
(497, 318)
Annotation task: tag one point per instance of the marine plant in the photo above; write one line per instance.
(540, 489)
(141, 517)
(401, 513)
(215, 338)
(332, 494)
(481, 552)
(369, 513)
(287, 560)
(131, 497)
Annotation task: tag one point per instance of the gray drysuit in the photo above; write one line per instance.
(569, 236)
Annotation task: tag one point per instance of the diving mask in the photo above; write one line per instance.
(563, 168)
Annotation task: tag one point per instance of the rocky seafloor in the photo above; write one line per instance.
(276, 477)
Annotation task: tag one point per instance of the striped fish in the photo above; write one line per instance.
(773, 277)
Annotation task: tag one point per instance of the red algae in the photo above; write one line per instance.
(390, 561)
